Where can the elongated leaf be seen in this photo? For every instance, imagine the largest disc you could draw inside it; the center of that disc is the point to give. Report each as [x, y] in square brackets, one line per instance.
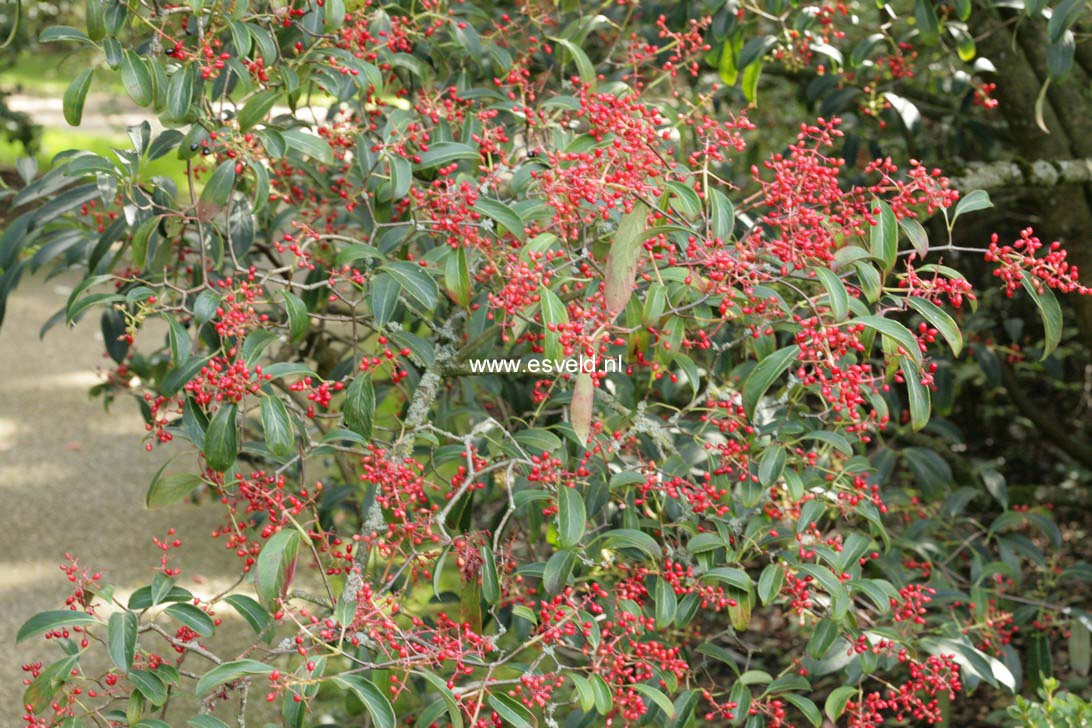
[256, 108]
[273, 563]
[836, 292]
[75, 96]
[917, 394]
[629, 538]
[896, 331]
[250, 610]
[192, 617]
[359, 406]
[379, 707]
[623, 258]
[279, 436]
[940, 321]
[765, 373]
[512, 711]
[1050, 312]
[137, 79]
[502, 214]
[581, 407]
[121, 634]
[169, 489]
[229, 671]
[554, 315]
[884, 236]
[416, 282]
[221, 438]
[47, 621]
[571, 516]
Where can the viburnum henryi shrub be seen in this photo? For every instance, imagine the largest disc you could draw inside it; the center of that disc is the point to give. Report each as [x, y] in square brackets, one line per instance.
[375, 199]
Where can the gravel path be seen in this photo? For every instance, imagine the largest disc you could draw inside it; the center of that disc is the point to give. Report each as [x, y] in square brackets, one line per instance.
[74, 479]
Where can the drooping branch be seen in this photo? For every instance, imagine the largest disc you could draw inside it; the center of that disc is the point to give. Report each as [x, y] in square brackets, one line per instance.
[1040, 173]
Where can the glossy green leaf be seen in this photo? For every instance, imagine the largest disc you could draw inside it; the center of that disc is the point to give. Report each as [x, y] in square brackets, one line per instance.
[221, 438]
[75, 96]
[378, 705]
[121, 636]
[192, 617]
[48, 621]
[765, 373]
[167, 490]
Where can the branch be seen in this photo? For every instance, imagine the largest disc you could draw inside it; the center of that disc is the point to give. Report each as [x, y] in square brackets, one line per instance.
[1040, 173]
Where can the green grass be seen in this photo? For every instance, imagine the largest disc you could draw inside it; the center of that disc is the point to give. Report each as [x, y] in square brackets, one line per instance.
[58, 140]
[48, 73]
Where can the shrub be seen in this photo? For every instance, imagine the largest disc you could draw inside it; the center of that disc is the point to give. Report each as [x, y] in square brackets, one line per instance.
[376, 202]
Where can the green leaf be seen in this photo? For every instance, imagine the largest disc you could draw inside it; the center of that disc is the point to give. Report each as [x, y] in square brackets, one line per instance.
[384, 298]
[359, 405]
[731, 576]
[723, 215]
[454, 712]
[919, 239]
[379, 707]
[192, 617]
[554, 315]
[180, 93]
[309, 145]
[137, 79]
[490, 581]
[75, 96]
[279, 435]
[751, 74]
[836, 701]
[276, 556]
[630, 538]
[584, 65]
[177, 378]
[805, 706]
[206, 721]
[168, 490]
[918, 394]
[1050, 312]
[684, 200]
[502, 214]
[217, 191]
[457, 277]
[972, 202]
[826, 632]
[121, 634]
[928, 25]
[297, 315]
[666, 603]
[93, 19]
[765, 373]
[443, 153]
[623, 258]
[256, 108]
[837, 294]
[510, 710]
[895, 331]
[228, 671]
[416, 282]
[43, 622]
[940, 321]
[656, 697]
[221, 438]
[571, 516]
[769, 583]
[558, 569]
[1065, 14]
[884, 236]
[250, 610]
[149, 685]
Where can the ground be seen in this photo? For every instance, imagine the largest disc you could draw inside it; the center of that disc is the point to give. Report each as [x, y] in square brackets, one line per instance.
[74, 478]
